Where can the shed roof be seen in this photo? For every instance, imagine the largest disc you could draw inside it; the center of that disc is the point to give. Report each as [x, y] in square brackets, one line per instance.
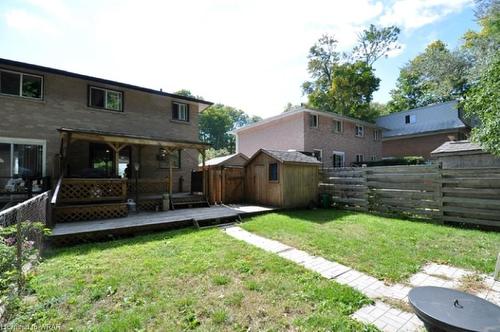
[294, 157]
[457, 147]
[224, 159]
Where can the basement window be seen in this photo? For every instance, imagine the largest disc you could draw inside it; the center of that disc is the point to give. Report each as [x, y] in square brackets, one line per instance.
[273, 172]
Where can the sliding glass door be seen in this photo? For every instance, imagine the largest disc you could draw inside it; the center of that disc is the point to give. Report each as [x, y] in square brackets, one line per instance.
[20, 158]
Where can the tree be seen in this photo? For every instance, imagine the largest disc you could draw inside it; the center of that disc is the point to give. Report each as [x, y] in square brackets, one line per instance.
[352, 89]
[217, 121]
[436, 75]
[187, 93]
[482, 102]
[347, 86]
[375, 43]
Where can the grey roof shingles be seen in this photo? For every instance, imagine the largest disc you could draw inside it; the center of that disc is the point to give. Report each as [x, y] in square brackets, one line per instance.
[291, 156]
[457, 146]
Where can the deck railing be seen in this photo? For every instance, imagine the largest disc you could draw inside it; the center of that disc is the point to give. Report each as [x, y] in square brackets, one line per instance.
[80, 190]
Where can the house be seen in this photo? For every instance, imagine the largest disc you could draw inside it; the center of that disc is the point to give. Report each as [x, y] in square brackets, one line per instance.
[417, 132]
[286, 179]
[63, 124]
[464, 154]
[333, 139]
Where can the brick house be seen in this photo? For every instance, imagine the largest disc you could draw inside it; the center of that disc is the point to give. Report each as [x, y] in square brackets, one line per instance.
[56, 122]
[417, 132]
[334, 139]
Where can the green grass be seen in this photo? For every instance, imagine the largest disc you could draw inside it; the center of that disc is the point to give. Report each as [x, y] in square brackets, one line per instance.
[182, 280]
[387, 248]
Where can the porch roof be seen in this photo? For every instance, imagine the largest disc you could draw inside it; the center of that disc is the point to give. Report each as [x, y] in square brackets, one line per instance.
[124, 138]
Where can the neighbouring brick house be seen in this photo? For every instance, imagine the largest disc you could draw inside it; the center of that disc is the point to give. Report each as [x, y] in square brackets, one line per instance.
[102, 127]
[417, 132]
[334, 139]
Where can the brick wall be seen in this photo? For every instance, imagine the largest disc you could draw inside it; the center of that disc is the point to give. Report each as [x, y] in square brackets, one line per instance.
[281, 134]
[327, 140]
[65, 105]
[416, 146]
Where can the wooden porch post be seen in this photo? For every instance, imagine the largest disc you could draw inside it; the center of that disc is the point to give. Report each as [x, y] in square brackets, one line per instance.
[170, 173]
[63, 151]
[205, 173]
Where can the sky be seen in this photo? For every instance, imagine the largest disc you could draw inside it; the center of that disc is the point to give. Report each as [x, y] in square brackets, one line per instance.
[249, 54]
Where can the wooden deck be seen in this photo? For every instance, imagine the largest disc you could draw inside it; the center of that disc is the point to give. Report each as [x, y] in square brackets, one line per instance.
[83, 230]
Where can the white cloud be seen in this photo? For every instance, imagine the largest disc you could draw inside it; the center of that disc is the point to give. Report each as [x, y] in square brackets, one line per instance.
[26, 22]
[413, 14]
[248, 54]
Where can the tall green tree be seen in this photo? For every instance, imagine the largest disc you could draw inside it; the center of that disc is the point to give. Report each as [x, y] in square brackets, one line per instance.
[352, 88]
[374, 43]
[482, 102]
[217, 121]
[345, 83]
[436, 75]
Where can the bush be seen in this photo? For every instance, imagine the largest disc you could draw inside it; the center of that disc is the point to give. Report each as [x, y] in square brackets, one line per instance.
[410, 160]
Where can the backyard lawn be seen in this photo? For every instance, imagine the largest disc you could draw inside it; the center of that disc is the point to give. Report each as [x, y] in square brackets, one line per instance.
[182, 280]
[387, 248]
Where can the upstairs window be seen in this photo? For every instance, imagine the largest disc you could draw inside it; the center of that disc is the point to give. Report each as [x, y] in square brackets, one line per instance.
[411, 118]
[337, 126]
[104, 98]
[359, 131]
[180, 111]
[20, 84]
[273, 172]
[359, 158]
[313, 120]
[376, 134]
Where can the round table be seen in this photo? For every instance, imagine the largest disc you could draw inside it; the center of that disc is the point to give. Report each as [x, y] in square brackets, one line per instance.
[447, 310]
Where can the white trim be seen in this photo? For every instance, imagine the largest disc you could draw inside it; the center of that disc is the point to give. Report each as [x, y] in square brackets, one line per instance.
[21, 78]
[26, 141]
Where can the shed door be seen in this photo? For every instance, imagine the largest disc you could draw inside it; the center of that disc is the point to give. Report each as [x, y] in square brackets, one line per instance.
[259, 184]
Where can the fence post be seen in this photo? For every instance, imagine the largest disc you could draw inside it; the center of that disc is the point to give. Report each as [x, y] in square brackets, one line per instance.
[439, 191]
[19, 254]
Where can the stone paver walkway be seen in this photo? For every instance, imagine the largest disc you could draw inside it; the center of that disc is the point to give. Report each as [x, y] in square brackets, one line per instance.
[380, 314]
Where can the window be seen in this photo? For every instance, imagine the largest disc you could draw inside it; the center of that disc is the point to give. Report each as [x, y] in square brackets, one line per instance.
[360, 131]
[273, 172]
[20, 84]
[337, 126]
[318, 154]
[107, 99]
[411, 118]
[21, 158]
[313, 120]
[359, 158]
[165, 158]
[374, 158]
[338, 159]
[376, 134]
[180, 111]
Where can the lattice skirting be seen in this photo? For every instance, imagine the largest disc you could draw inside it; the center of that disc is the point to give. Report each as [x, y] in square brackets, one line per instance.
[150, 204]
[90, 212]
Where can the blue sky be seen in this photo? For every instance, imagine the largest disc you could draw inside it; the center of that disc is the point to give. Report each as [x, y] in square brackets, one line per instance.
[250, 54]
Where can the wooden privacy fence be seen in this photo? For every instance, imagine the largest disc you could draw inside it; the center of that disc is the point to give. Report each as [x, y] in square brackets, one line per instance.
[226, 185]
[426, 191]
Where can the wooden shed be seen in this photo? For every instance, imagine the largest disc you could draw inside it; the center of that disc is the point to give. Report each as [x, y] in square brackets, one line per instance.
[226, 179]
[285, 179]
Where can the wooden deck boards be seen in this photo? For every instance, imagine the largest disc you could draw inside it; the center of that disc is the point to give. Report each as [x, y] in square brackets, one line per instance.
[182, 217]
